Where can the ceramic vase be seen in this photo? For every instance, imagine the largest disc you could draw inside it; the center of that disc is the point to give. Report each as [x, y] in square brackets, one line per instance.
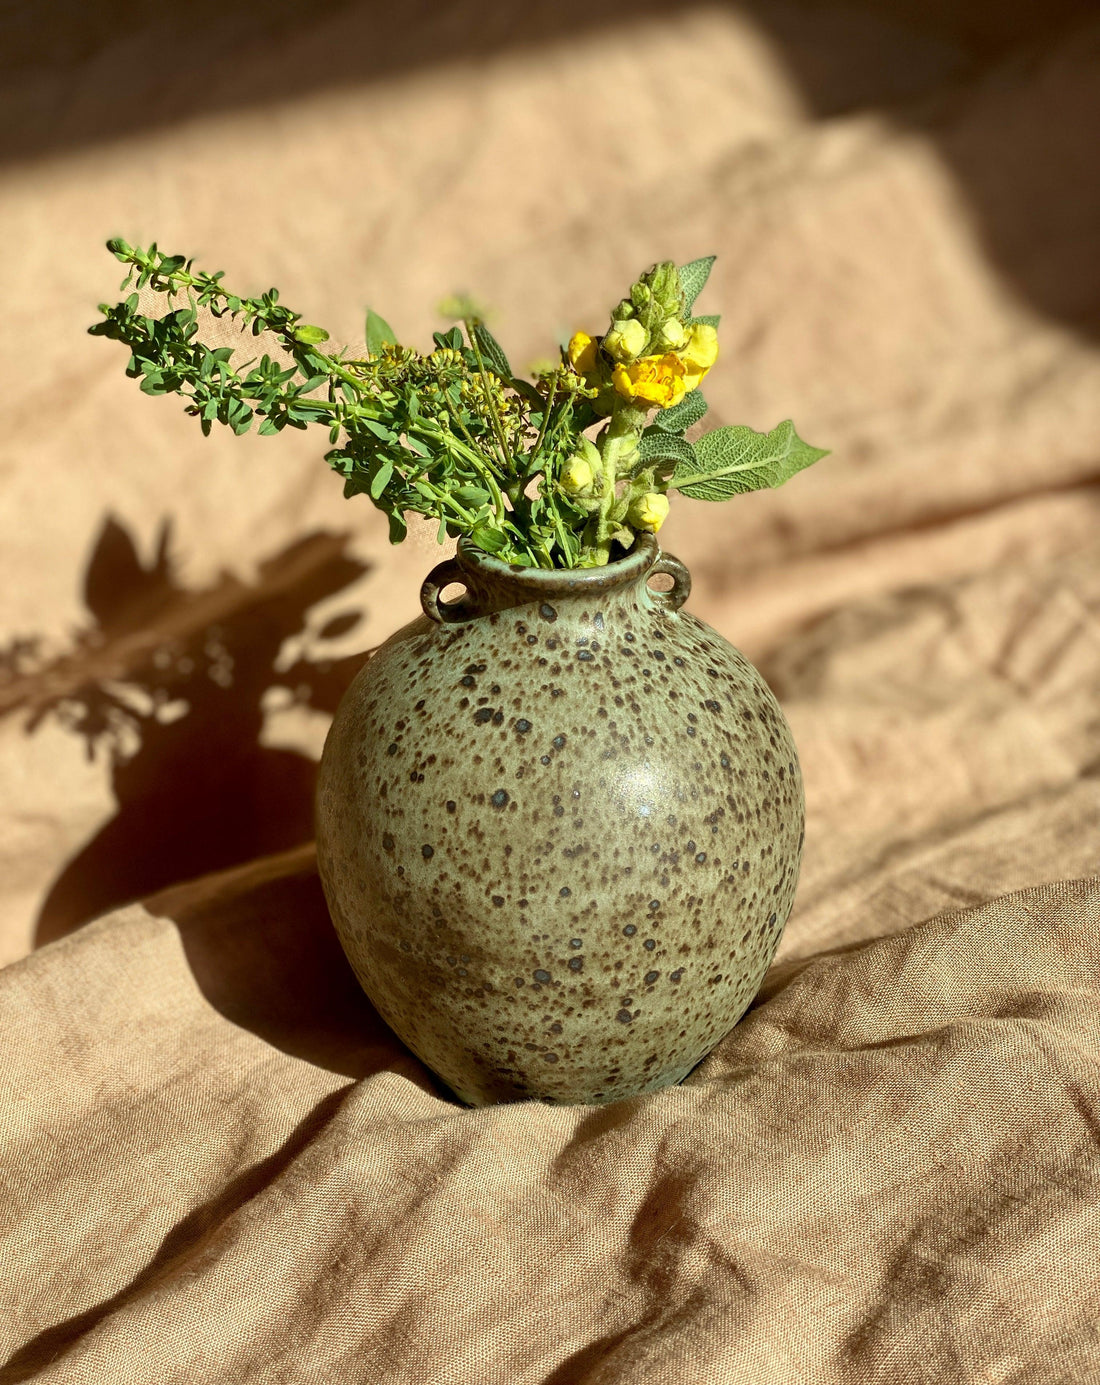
[559, 830]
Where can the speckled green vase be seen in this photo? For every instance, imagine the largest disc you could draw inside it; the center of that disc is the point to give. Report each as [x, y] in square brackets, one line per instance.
[559, 829]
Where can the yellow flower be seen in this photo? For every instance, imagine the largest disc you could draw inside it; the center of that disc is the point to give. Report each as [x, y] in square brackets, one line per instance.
[653, 380]
[649, 512]
[582, 353]
[699, 354]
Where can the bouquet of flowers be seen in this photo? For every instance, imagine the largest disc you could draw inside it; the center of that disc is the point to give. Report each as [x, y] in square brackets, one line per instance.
[556, 471]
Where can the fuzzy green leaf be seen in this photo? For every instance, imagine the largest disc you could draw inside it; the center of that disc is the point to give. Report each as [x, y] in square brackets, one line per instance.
[693, 276]
[492, 353]
[709, 320]
[379, 333]
[681, 416]
[736, 459]
[656, 445]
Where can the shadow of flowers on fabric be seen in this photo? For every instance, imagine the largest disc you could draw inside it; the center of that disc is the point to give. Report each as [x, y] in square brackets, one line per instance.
[169, 687]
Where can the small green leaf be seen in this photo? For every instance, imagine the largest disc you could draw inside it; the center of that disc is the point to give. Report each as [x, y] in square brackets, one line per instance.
[530, 394]
[309, 335]
[267, 428]
[681, 416]
[372, 425]
[708, 320]
[398, 527]
[381, 478]
[736, 459]
[488, 539]
[692, 278]
[379, 334]
[314, 382]
[492, 353]
[472, 495]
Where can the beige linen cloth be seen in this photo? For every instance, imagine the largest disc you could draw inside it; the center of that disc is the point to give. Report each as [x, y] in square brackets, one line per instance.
[216, 1163]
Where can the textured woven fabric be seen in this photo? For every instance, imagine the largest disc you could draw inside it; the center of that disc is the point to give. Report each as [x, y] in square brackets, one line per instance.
[216, 1163]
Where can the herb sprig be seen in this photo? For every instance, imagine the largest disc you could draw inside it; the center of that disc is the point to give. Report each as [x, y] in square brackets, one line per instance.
[454, 434]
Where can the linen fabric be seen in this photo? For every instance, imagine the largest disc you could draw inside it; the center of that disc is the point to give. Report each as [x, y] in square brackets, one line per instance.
[217, 1164]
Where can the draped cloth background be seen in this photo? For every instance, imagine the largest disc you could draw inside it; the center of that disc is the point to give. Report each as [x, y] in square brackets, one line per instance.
[216, 1163]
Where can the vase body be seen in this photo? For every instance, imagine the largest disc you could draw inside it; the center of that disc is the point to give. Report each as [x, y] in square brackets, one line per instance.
[559, 830]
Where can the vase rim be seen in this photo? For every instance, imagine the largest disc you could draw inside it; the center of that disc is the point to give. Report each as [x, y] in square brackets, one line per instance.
[631, 566]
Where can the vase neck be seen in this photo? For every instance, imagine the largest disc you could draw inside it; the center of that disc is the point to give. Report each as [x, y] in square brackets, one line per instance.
[493, 586]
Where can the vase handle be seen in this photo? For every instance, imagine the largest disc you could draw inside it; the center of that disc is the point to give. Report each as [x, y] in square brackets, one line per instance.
[444, 612]
[680, 590]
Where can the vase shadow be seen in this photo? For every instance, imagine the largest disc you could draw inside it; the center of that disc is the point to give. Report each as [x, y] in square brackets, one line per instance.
[168, 686]
[263, 952]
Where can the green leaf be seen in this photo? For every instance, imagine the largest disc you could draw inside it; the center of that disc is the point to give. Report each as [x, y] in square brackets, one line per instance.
[488, 539]
[372, 425]
[492, 353]
[398, 527]
[381, 478]
[736, 459]
[656, 445]
[709, 320]
[267, 428]
[312, 363]
[309, 335]
[692, 278]
[379, 334]
[681, 416]
[449, 340]
[472, 495]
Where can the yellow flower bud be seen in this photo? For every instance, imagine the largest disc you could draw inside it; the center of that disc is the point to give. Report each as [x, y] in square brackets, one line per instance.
[699, 354]
[649, 512]
[626, 341]
[581, 352]
[576, 476]
[673, 335]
